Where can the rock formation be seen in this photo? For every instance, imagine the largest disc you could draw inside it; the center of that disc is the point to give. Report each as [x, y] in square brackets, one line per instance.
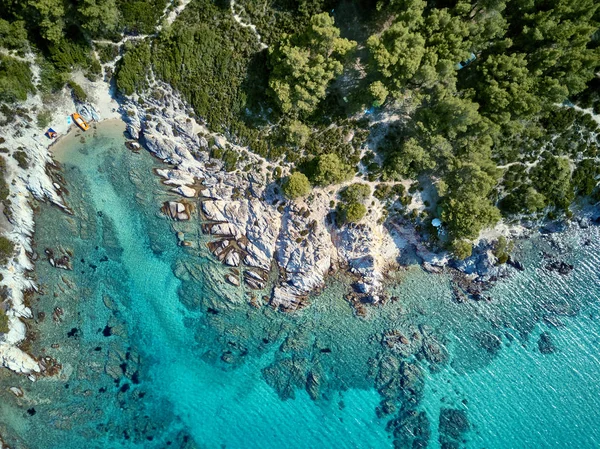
[251, 224]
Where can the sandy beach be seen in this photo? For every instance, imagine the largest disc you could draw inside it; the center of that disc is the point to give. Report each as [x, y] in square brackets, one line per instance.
[75, 134]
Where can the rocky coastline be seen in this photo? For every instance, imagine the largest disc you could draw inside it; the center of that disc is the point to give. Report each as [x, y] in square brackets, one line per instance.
[253, 226]
[30, 182]
[254, 230]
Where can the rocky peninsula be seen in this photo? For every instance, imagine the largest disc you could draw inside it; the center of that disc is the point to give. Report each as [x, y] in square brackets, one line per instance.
[255, 230]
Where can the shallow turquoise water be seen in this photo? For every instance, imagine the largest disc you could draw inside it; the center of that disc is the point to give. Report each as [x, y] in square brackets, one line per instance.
[158, 352]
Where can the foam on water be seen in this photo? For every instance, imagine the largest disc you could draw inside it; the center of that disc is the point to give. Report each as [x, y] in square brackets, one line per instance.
[125, 257]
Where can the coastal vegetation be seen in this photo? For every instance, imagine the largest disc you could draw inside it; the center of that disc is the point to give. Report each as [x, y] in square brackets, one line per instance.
[304, 64]
[469, 95]
[3, 322]
[296, 185]
[4, 190]
[7, 249]
[15, 80]
[351, 209]
[479, 83]
[60, 35]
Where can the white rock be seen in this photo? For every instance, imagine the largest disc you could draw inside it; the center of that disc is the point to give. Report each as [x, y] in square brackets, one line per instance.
[233, 259]
[233, 280]
[16, 391]
[185, 191]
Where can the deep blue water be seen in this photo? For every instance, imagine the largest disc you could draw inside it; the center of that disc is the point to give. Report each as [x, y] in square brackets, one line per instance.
[157, 351]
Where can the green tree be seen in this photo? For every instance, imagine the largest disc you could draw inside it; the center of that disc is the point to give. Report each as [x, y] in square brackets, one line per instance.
[355, 193]
[296, 185]
[351, 212]
[555, 36]
[397, 54]
[410, 160]
[466, 207]
[13, 35]
[297, 133]
[303, 65]
[331, 170]
[379, 93]
[50, 17]
[584, 176]
[448, 34]
[502, 249]
[98, 17]
[462, 249]
[534, 201]
[15, 80]
[507, 89]
[552, 178]
[133, 68]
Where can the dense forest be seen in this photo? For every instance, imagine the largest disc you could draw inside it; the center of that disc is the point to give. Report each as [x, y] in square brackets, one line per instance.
[472, 93]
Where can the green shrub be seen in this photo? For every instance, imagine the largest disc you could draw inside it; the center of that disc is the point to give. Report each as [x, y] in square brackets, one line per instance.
[351, 212]
[502, 249]
[552, 178]
[4, 190]
[94, 70]
[3, 321]
[296, 185]
[13, 36]
[382, 191]
[230, 159]
[7, 249]
[218, 58]
[15, 80]
[462, 249]
[67, 54]
[355, 193]
[21, 157]
[44, 118]
[107, 52]
[329, 169]
[139, 16]
[297, 133]
[78, 93]
[52, 80]
[133, 68]
[584, 176]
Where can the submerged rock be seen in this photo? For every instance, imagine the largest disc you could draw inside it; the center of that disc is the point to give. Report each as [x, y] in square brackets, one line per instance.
[453, 425]
[233, 280]
[489, 341]
[560, 267]
[515, 264]
[313, 383]
[411, 429]
[545, 343]
[286, 376]
[435, 353]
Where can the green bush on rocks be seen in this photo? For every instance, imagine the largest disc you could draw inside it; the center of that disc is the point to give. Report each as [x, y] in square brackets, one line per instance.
[296, 185]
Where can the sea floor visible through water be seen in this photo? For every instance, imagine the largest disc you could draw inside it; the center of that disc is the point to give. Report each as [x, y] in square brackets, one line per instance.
[158, 351]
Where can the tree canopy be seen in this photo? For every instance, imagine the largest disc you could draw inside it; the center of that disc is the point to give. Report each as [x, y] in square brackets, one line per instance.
[296, 185]
[329, 169]
[303, 65]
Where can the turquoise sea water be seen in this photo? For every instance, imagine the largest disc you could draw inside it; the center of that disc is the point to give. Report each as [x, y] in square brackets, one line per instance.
[157, 351]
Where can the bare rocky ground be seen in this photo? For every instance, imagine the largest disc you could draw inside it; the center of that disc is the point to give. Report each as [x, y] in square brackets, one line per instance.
[254, 227]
